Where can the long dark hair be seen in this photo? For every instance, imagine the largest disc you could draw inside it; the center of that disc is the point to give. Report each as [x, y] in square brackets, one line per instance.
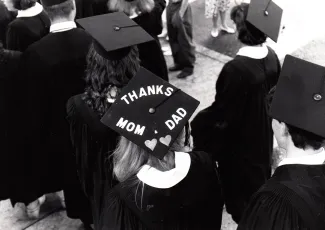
[102, 74]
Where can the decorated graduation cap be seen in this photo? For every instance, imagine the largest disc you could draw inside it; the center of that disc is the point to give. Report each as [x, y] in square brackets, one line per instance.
[48, 3]
[299, 99]
[150, 112]
[266, 16]
[114, 34]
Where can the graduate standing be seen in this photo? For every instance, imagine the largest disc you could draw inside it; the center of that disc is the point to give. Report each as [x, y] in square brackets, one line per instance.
[106, 74]
[294, 197]
[236, 128]
[30, 25]
[52, 71]
[162, 184]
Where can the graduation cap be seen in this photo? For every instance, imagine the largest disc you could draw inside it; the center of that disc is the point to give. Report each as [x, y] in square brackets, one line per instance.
[114, 34]
[150, 112]
[299, 99]
[48, 3]
[266, 16]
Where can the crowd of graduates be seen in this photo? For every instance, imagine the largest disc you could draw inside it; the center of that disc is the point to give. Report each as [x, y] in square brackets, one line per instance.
[86, 107]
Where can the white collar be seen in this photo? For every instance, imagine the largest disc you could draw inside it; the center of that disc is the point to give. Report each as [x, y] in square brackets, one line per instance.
[163, 180]
[30, 12]
[255, 52]
[62, 26]
[314, 159]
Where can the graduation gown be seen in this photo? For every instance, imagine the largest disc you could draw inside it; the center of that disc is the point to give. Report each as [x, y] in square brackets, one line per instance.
[293, 198]
[24, 31]
[9, 61]
[52, 71]
[92, 144]
[241, 139]
[194, 203]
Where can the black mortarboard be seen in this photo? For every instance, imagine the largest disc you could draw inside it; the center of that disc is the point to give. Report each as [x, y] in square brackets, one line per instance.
[48, 3]
[266, 16]
[114, 34]
[150, 112]
[299, 99]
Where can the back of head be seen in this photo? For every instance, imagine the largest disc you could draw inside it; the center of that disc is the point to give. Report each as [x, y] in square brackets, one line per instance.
[102, 74]
[301, 138]
[23, 4]
[128, 157]
[65, 11]
[247, 33]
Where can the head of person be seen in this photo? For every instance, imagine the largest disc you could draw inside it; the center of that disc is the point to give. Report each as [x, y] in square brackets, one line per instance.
[59, 10]
[14, 5]
[104, 73]
[247, 33]
[128, 6]
[128, 158]
[287, 135]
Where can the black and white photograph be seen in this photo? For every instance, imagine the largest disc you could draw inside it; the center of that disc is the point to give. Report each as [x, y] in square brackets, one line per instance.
[162, 115]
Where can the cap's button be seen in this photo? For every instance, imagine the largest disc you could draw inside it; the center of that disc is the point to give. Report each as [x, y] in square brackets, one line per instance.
[152, 110]
[116, 28]
[317, 97]
[266, 13]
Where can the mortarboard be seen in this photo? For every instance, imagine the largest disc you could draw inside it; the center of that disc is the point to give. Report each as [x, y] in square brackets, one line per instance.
[114, 34]
[299, 99]
[48, 3]
[266, 16]
[150, 112]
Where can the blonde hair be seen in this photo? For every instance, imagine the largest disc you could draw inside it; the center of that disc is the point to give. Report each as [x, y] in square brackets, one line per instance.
[128, 158]
[144, 6]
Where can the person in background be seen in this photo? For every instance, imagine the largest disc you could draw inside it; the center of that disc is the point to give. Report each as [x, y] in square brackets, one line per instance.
[30, 25]
[214, 8]
[180, 33]
[238, 116]
[113, 59]
[51, 71]
[6, 17]
[294, 197]
[147, 14]
[162, 183]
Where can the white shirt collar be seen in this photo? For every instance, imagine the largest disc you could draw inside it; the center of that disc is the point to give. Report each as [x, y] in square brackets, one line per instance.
[255, 52]
[30, 12]
[62, 26]
[163, 180]
[315, 159]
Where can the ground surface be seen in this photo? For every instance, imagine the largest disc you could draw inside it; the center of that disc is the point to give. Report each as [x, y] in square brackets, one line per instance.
[303, 37]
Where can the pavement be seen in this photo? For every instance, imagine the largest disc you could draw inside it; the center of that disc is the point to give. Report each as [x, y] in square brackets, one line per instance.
[302, 38]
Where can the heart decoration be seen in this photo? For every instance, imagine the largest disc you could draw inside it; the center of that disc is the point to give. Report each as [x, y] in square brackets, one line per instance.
[151, 144]
[165, 140]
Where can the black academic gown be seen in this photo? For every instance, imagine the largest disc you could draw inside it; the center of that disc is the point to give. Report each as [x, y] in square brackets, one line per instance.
[242, 140]
[293, 198]
[52, 71]
[93, 143]
[84, 8]
[24, 31]
[9, 61]
[194, 203]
